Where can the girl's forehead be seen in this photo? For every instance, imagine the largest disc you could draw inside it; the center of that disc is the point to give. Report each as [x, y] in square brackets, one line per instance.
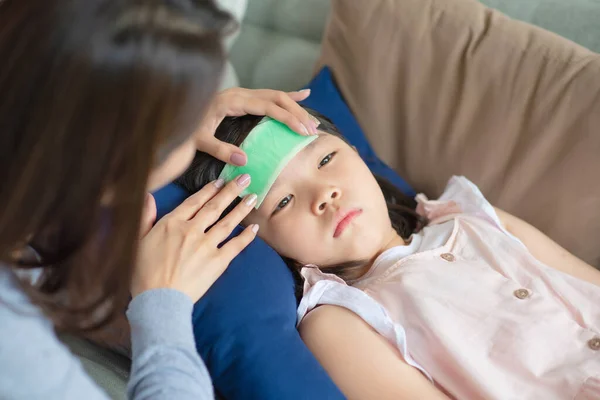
[323, 141]
[270, 146]
[294, 168]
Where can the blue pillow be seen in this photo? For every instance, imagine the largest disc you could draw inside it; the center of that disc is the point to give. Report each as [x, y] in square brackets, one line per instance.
[245, 325]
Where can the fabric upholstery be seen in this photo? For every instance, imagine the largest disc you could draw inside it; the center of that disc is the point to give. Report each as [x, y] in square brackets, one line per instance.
[450, 87]
[279, 43]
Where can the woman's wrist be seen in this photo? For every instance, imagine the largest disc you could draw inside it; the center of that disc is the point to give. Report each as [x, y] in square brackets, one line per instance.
[160, 316]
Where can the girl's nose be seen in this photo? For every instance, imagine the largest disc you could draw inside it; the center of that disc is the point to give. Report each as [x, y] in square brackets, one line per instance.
[326, 198]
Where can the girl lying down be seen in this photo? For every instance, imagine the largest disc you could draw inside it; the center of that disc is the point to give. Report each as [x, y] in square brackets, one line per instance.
[425, 299]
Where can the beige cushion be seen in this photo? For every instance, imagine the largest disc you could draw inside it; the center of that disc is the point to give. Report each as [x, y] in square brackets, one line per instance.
[450, 87]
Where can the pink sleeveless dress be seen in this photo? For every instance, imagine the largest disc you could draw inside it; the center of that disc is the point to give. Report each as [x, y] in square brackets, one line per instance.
[468, 305]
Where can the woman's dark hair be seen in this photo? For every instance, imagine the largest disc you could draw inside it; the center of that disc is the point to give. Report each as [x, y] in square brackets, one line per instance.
[205, 169]
[95, 94]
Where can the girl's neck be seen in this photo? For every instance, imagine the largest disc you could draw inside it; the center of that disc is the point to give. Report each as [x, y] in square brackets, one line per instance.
[392, 240]
[353, 271]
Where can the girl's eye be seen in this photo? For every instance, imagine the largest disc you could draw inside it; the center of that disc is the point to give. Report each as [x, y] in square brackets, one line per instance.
[326, 160]
[283, 203]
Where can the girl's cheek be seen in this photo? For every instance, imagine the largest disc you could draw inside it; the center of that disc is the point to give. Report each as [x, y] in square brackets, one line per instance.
[285, 235]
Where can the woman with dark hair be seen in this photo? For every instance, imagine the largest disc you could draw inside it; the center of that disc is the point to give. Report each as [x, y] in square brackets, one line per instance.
[103, 101]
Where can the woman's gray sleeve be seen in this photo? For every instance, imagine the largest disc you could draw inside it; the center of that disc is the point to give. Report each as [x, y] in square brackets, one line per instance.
[165, 364]
[34, 364]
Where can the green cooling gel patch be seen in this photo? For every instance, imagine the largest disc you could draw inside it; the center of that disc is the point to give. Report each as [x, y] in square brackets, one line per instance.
[269, 146]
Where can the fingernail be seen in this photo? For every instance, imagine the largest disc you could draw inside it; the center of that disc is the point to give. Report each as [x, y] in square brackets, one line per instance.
[243, 180]
[314, 128]
[305, 91]
[238, 159]
[255, 228]
[250, 200]
[219, 183]
[305, 130]
[314, 119]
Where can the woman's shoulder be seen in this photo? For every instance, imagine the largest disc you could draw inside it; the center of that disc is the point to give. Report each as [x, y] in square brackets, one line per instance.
[12, 296]
[24, 325]
[21, 319]
[25, 337]
[24, 328]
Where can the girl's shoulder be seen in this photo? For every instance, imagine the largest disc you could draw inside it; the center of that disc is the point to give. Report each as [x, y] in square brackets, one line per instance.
[461, 197]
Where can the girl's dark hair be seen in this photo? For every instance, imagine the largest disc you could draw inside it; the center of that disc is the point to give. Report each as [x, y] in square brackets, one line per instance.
[95, 94]
[205, 169]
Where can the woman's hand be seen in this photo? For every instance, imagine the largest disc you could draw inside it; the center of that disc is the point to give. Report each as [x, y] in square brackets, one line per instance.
[179, 253]
[232, 102]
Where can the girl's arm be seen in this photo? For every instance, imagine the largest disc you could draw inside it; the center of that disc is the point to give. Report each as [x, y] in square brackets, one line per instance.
[359, 360]
[547, 251]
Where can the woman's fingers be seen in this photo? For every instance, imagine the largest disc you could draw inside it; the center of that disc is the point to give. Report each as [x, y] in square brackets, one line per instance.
[235, 246]
[285, 109]
[299, 95]
[238, 101]
[276, 104]
[291, 106]
[181, 254]
[189, 208]
[275, 111]
[213, 209]
[225, 152]
[223, 228]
